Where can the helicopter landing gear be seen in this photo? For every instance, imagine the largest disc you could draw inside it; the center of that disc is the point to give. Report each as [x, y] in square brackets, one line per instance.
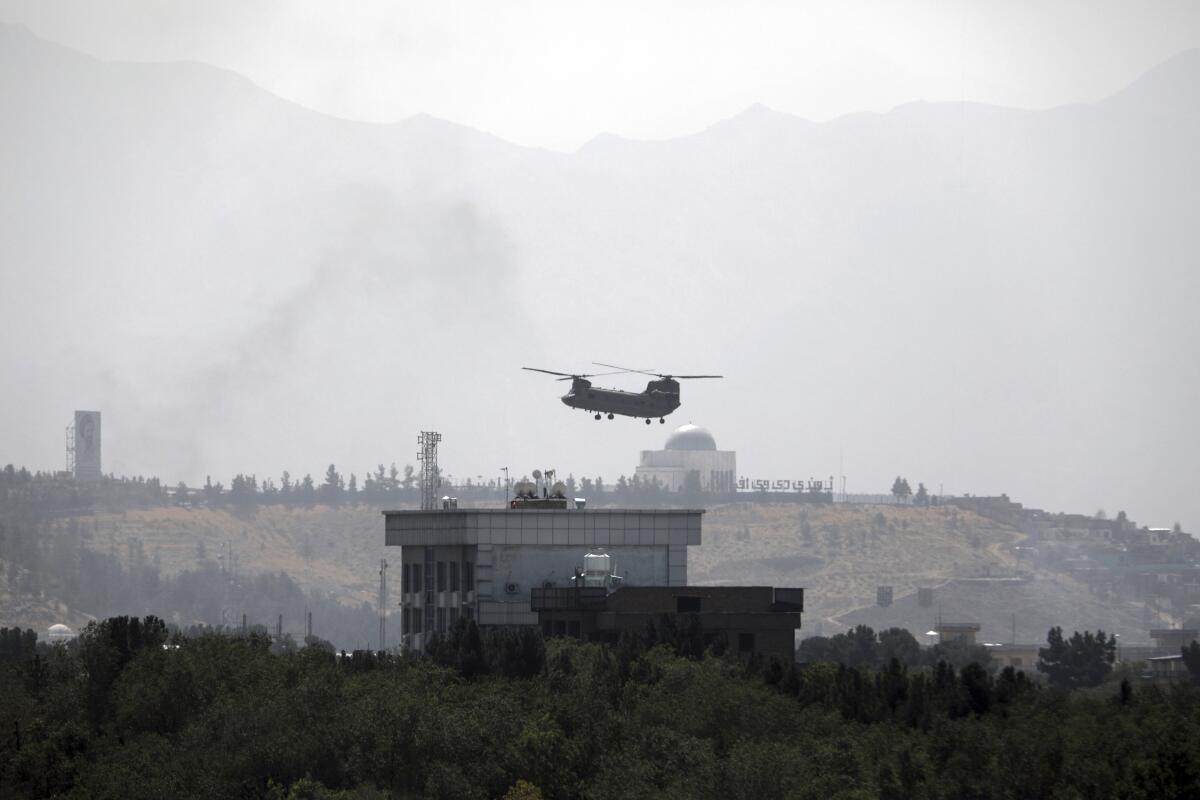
[662, 421]
[647, 420]
[597, 416]
[610, 416]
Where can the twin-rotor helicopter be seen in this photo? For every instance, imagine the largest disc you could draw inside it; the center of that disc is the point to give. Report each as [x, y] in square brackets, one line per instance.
[659, 398]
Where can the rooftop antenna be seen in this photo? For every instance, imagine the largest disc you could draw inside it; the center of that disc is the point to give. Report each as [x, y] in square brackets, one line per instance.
[428, 441]
[505, 471]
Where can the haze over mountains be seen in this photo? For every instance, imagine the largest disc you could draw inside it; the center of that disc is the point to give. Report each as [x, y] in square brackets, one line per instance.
[990, 299]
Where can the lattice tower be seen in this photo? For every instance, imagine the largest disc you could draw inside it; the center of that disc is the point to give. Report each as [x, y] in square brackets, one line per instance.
[428, 441]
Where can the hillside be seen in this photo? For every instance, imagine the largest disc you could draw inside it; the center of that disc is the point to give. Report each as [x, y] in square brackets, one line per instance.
[840, 554]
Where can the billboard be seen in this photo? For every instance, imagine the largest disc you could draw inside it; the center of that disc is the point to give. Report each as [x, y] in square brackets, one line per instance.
[87, 445]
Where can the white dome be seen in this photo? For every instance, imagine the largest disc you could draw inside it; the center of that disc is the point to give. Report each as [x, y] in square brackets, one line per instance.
[690, 437]
[60, 631]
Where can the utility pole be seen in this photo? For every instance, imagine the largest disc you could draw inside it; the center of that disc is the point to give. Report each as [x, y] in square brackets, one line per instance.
[383, 565]
[505, 471]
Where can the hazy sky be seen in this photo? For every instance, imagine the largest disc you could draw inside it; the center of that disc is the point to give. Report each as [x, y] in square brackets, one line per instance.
[555, 74]
[990, 299]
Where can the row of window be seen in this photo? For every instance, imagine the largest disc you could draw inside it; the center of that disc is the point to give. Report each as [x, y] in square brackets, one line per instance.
[413, 577]
[443, 618]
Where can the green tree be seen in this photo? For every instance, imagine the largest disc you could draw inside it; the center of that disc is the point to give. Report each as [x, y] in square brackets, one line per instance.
[331, 489]
[1083, 660]
[1191, 660]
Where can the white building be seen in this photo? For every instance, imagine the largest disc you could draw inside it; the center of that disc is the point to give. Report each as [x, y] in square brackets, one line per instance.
[690, 449]
[481, 563]
[59, 633]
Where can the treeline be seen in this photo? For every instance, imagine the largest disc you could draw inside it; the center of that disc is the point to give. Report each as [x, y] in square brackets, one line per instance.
[56, 560]
[133, 711]
[43, 492]
[1082, 660]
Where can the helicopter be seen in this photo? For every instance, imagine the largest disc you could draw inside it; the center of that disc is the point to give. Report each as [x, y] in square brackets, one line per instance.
[659, 399]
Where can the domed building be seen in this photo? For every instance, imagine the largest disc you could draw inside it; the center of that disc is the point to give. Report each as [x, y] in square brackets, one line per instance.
[690, 449]
[59, 633]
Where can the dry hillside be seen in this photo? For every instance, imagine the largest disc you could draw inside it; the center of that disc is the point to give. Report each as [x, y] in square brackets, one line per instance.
[842, 553]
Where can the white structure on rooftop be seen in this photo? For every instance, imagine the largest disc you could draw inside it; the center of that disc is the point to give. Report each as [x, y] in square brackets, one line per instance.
[690, 454]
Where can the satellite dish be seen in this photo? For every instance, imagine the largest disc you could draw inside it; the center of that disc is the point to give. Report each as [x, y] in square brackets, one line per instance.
[537, 474]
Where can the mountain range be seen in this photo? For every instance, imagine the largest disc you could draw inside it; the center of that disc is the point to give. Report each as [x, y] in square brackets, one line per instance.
[984, 299]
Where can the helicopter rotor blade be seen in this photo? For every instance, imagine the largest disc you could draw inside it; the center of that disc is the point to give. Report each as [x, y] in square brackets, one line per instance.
[570, 375]
[695, 376]
[626, 369]
[549, 372]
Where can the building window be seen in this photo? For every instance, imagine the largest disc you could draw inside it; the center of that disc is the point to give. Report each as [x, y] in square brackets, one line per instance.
[453, 616]
[441, 576]
[560, 627]
[469, 612]
[404, 576]
[573, 628]
[546, 627]
[441, 620]
[468, 576]
[687, 605]
[416, 578]
[454, 576]
[745, 642]
[416, 620]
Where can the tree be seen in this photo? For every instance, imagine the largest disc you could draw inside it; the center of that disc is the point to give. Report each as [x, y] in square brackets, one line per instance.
[900, 488]
[181, 492]
[900, 644]
[306, 490]
[922, 496]
[331, 489]
[1191, 660]
[1083, 660]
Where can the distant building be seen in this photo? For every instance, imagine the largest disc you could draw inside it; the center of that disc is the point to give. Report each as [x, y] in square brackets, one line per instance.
[1166, 668]
[86, 446]
[957, 631]
[59, 633]
[690, 451]
[753, 619]
[1172, 640]
[1018, 656]
[482, 563]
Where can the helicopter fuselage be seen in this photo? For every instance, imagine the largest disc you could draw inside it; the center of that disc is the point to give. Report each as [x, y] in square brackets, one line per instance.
[659, 398]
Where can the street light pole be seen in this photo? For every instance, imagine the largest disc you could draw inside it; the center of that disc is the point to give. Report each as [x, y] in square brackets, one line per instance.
[505, 471]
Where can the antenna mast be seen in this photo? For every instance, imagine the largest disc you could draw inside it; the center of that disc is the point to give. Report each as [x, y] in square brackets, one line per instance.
[428, 440]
